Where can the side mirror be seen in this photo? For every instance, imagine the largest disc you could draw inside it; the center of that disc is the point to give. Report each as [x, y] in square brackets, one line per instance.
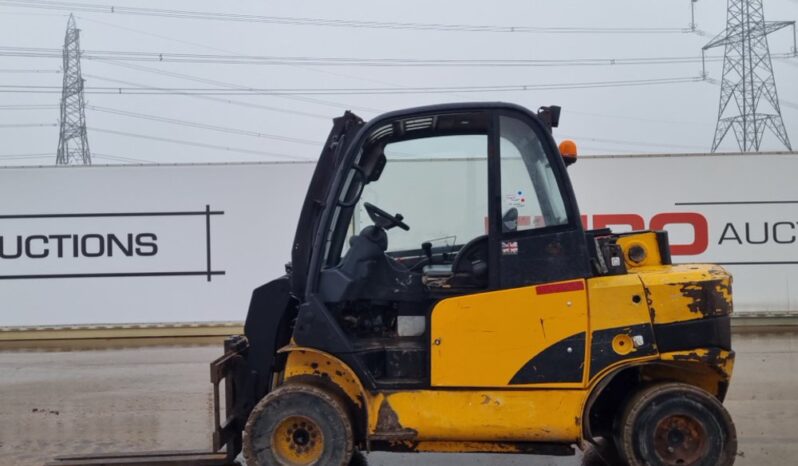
[550, 116]
[568, 152]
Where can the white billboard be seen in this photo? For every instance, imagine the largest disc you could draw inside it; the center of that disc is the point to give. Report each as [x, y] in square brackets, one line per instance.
[142, 244]
[188, 243]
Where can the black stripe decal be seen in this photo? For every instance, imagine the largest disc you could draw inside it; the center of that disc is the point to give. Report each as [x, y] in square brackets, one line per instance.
[698, 333]
[562, 362]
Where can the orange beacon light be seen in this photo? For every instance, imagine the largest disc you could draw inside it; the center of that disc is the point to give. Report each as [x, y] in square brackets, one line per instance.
[568, 151]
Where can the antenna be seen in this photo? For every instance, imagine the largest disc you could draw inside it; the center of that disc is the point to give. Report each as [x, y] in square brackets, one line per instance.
[749, 102]
[73, 144]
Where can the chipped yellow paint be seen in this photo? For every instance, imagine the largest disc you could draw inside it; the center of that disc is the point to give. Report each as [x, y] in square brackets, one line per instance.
[311, 362]
[484, 339]
[617, 301]
[673, 290]
[457, 447]
[478, 415]
[721, 360]
[466, 447]
[452, 416]
[647, 241]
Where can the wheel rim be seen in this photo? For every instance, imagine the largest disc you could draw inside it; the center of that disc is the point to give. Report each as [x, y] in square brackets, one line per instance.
[297, 440]
[680, 440]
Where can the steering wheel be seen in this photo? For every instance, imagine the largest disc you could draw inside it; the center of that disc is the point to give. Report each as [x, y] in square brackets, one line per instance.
[473, 251]
[383, 219]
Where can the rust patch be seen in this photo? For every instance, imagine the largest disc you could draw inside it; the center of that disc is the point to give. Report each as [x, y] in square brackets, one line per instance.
[709, 298]
[388, 422]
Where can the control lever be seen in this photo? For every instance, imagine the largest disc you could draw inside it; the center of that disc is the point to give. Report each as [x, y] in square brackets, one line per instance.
[427, 248]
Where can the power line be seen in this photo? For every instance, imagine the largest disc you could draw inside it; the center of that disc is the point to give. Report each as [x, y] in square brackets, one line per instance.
[28, 125]
[635, 118]
[195, 78]
[28, 13]
[152, 34]
[198, 144]
[358, 91]
[632, 143]
[607, 150]
[29, 71]
[26, 156]
[193, 124]
[94, 155]
[238, 59]
[28, 107]
[221, 100]
[120, 159]
[338, 23]
[217, 49]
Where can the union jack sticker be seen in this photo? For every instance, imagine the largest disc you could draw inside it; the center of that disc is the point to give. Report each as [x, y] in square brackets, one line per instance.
[509, 248]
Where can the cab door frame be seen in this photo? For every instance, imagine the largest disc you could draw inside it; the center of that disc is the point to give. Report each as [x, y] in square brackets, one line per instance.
[538, 250]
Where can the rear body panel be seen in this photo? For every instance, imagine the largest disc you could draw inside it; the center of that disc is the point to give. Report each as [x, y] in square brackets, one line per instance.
[687, 292]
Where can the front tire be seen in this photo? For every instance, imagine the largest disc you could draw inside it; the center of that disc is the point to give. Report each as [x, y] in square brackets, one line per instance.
[675, 424]
[298, 425]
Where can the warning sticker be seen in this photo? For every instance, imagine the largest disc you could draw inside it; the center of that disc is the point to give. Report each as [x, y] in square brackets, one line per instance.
[516, 199]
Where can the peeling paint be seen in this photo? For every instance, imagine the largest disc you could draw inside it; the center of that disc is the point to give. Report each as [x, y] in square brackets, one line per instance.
[388, 422]
[708, 298]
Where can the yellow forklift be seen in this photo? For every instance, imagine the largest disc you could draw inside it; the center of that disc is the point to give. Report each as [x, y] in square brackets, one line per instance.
[483, 318]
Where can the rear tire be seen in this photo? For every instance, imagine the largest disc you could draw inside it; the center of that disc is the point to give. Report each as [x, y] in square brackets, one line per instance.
[298, 425]
[675, 424]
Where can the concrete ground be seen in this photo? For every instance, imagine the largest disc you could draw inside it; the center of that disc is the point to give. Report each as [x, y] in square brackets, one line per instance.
[68, 400]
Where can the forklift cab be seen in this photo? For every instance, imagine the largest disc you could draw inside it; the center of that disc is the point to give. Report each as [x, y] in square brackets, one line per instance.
[431, 204]
[437, 173]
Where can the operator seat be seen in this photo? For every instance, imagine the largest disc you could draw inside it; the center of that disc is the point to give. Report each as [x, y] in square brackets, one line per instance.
[345, 280]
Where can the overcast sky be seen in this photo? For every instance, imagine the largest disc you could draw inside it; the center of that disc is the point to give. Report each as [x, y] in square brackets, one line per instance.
[675, 117]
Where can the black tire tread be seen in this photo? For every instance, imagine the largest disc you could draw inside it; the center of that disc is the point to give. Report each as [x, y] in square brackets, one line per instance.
[640, 401]
[293, 388]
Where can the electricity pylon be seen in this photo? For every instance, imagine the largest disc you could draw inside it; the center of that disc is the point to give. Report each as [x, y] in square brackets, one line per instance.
[73, 144]
[749, 102]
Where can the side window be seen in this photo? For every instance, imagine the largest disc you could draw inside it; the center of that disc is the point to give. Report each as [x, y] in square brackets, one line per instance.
[531, 196]
[438, 184]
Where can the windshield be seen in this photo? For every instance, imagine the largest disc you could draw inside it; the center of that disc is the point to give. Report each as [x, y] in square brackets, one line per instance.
[439, 184]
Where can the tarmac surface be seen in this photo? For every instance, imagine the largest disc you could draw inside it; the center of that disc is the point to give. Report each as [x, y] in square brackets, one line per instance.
[60, 400]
